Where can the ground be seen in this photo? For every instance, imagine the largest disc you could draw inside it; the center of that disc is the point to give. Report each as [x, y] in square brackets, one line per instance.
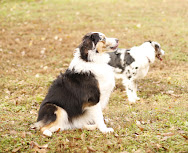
[37, 41]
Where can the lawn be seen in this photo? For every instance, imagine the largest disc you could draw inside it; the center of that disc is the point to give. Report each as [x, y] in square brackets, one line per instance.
[37, 41]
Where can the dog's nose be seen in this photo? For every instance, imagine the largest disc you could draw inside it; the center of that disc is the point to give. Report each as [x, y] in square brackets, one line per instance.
[117, 40]
[129, 76]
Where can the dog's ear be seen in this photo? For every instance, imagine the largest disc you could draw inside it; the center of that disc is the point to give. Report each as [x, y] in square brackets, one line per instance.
[157, 48]
[95, 38]
[85, 46]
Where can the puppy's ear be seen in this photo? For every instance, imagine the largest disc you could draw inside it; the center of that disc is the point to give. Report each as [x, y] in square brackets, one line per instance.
[95, 38]
[85, 46]
[157, 48]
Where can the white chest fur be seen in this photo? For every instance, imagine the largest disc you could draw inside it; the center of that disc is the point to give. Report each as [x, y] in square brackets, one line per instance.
[102, 71]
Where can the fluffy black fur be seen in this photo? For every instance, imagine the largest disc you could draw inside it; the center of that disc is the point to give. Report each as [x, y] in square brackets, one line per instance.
[69, 91]
[87, 44]
[72, 91]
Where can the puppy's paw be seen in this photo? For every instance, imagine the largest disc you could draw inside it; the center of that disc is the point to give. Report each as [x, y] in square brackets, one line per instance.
[137, 98]
[132, 100]
[47, 133]
[90, 127]
[107, 130]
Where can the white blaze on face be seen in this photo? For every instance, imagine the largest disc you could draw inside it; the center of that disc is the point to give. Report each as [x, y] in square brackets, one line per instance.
[111, 43]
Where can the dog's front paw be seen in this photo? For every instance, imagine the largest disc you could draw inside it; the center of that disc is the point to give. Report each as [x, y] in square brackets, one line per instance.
[90, 127]
[132, 100]
[47, 133]
[107, 130]
[137, 98]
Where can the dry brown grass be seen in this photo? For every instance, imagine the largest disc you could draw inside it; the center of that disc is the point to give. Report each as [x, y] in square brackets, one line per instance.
[158, 123]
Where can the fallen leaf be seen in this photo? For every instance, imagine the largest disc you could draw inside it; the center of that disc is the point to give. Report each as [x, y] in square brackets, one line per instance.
[186, 137]
[127, 119]
[170, 92]
[58, 130]
[91, 149]
[13, 132]
[23, 134]
[181, 131]
[116, 135]
[168, 134]
[16, 149]
[141, 128]
[158, 146]
[83, 136]
[165, 138]
[39, 148]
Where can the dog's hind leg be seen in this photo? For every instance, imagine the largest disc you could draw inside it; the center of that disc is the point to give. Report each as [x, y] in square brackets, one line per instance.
[51, 118]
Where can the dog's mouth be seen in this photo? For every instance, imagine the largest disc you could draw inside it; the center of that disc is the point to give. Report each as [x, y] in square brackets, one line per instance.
[159, 57]
[114, 47]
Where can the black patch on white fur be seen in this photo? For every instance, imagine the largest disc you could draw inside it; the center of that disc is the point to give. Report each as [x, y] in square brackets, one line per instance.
[87, 44]
[115, 60]
[128, 58]
[69, 91]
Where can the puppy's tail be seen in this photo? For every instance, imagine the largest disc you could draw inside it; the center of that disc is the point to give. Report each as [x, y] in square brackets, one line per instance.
[37, 125]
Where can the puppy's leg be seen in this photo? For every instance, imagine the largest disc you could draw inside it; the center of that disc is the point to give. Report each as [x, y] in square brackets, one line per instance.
[135, 90]
[54, 118]
[129, 84]
[96, 112]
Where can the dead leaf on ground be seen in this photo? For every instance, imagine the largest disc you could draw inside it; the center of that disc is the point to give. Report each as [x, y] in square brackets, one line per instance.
[186, 137]
[165, 138]
[127, 119]
[39, 148]
[168, 134]
[13, 132]
[83, 136]
[158, 146]
[116, 135]
[16, 149]
[90, 149]
[141, 128]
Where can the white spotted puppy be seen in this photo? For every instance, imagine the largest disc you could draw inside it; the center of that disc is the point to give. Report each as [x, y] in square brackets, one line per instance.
[133, 64]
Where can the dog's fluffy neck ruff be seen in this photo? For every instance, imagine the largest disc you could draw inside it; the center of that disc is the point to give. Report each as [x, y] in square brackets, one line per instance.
[98, 65]
[94, 58]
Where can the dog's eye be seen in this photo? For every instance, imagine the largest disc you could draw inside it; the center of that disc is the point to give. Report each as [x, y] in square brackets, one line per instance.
[136, 67]
[102, 39]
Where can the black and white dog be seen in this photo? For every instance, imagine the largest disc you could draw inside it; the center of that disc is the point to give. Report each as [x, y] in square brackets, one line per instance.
[133, 64]
[78, 96]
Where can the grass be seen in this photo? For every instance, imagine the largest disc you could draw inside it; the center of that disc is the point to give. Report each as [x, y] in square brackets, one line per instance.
[37, 40]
